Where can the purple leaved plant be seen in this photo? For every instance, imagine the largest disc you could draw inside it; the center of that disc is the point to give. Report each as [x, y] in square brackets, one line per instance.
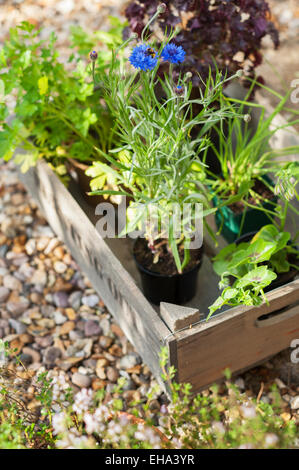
[226, 32]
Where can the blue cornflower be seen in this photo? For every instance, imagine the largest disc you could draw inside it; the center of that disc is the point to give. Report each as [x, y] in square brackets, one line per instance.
[174, 54]
[143, 57]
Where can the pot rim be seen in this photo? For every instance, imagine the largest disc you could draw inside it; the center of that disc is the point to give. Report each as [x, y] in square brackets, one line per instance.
[168, 276]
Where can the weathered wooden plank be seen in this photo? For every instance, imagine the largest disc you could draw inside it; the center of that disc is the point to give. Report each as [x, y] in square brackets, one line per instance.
[139, 321]
[177, 316]
[236, 339]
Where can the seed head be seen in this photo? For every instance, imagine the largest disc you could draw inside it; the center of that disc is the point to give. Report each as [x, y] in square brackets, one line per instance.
[93, 56]
[161, 8]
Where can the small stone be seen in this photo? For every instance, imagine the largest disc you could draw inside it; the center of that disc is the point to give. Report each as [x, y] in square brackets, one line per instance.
[59, 318]
[30, 247]
[4, 293]
[100, 371]
[68, 363]
[60, 267]
[67, 327]
[130, 360]
[105, 342]
[51, 355]
[18, 307]
[280, 383]
[25, 359]
[19, 327]
[115, 350]
[76, 334]
[60, 299]
[51, 246]
[33, 353]
[82, 381]
[42, 243]
[10, 282]
[75, 299]
[112, 374]
[71, 314]
[46, 323]
[90, 300]
[98, 384]
[39, 277]
[44, 341]
[92, 328]
[240, 383]
[295, 403]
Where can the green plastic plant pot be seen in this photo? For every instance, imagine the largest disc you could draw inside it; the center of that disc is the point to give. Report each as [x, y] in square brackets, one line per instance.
[254, 219]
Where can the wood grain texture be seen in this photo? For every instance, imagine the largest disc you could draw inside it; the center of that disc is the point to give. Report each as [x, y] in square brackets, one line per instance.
[234, 340]
[177, 317]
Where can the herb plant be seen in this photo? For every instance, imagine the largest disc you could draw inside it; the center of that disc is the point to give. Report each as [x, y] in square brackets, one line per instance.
[158, 162]
[54, 111]
[246, 159]
[250, 267]
[213, 419]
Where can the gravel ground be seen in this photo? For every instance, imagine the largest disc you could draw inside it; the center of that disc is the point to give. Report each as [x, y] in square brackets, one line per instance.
[48, 309]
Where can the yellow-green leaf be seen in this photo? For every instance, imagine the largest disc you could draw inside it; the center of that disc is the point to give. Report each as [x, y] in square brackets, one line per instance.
[43, 85]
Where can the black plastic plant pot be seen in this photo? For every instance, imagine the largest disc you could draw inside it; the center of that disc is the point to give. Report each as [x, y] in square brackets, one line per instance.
[282, 278]
[254, 219]
[177, 289]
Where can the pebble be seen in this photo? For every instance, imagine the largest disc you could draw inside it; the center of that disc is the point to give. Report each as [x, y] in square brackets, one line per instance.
[75, 299]
[60, 299]
[4, 294]
[51, 355]
[67, 327]
[81, 380]
[60, 267]
[90, 300]
[35, 355]
[105, 341]
[130, 360]
[59, 318]
[30, 247]
[295, 403]
[112, 374]
[39, 277]
[10, 282]
[19, 327]
[18, 307]
[92, 328]
[44, 341]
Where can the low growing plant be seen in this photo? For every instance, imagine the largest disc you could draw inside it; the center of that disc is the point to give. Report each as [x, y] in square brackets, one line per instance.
[248, 268]
[213, 419]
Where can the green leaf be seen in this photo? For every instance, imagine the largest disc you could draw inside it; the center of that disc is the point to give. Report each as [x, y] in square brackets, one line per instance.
[261, 277]
[2, 91]
[261, 250]
[25, 58]
[43, 85]
[26, 160]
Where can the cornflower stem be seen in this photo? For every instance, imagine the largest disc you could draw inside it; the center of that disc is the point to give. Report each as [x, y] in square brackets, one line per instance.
[149, 23]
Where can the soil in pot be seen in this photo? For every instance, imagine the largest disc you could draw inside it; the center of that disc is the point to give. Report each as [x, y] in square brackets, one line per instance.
[160, 281]
[230, 217]
[282, 278]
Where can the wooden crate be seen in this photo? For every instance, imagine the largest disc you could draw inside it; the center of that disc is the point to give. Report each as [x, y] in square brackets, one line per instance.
[200, 351]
